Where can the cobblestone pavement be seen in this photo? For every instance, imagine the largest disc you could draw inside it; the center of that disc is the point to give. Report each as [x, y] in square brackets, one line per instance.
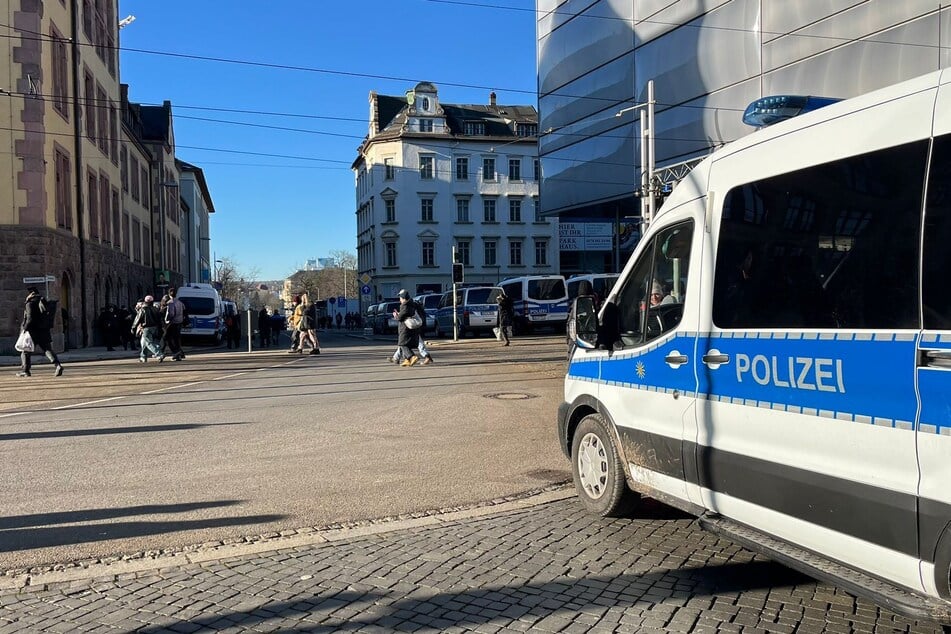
[549, 568]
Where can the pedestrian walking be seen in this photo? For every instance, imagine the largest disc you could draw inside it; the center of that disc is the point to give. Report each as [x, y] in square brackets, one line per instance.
[147, 325]
[233, 331]
[38, 321]
[408, 340]
[506, 316]
[306, 324]
[174, 316]
[264, 327]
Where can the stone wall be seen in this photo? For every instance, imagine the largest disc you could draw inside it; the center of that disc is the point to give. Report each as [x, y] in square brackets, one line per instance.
[37, 251]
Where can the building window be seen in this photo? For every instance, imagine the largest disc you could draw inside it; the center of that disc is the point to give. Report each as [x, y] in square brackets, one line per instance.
[426, 210]
[136, 241]
[426, 167]
[389, 171]
[126, 247]
[88, 19]
[526, 129]
[536, 170]
[146, 246]
[144, 177]
[462, 210]
[60, 73]
[515, 252]
[389, 255]
[89, 89]
[134, 177]
[515, 169]
[462, 252]
[473, 128]
[92, 182]
[515, 210]
[113, 135]
[538, 210]
[488, 169]
[541, 252]
[124, 168]
[64, 199]
[490, 253]
[425, 125]
[103, 122]
[390, 206]
[116, 219]
[488, 210]
[104, 208]
[462, 168]
[429, 253]
[422, 104]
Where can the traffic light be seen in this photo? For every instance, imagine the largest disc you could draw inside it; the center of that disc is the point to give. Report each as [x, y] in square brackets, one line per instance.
[457, 272]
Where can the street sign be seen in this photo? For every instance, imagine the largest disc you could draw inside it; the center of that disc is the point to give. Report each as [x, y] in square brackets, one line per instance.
[365, 279]
[41, 279]
[365, 289]
[342, 303]
[332, 300]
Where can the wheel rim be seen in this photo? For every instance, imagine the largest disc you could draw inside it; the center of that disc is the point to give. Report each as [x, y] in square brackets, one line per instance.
[592, 466]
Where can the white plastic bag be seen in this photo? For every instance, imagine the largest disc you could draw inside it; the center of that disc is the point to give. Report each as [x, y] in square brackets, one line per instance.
[413, 322]
[24, 342]
[498, 333]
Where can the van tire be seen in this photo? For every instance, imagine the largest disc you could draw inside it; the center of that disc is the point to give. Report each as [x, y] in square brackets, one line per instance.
[597, 470]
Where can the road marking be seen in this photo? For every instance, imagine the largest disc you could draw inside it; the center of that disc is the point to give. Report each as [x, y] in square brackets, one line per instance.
[229, 376]
[171, 387]
[13, 414]
[102, 400]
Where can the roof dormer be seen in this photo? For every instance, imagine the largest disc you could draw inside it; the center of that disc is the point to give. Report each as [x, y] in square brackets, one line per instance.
[423, 99]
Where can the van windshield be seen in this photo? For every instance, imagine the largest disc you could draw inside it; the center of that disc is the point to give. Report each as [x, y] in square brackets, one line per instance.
[481, 295]
[199, 305]
[549, 289]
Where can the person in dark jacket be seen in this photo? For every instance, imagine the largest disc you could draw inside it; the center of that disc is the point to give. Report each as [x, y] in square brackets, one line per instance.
[37, 320]
[264, 327]
[408, 337]
[506, 316]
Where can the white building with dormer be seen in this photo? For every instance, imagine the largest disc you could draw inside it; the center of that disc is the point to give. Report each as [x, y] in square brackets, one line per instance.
[432, 176]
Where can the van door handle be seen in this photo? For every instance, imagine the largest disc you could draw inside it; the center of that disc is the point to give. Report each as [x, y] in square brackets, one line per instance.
[938, 358]
[716, 357]
[676, 359]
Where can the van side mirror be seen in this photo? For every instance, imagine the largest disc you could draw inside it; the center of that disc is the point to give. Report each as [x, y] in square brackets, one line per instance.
[583, 327]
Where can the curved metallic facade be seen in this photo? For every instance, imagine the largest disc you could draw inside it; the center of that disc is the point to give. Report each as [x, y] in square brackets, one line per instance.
[709, 59]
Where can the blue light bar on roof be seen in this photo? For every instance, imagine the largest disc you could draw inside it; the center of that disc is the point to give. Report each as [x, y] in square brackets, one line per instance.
[770, 110]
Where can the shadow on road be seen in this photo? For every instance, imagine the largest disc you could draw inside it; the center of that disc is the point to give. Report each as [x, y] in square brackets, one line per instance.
[93, 515]
[69, 433]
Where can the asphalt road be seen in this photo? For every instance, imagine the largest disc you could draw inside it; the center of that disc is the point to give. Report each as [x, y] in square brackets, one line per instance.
[117, 457]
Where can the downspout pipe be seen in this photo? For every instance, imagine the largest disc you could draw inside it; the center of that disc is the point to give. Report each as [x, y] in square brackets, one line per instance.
[78, 151]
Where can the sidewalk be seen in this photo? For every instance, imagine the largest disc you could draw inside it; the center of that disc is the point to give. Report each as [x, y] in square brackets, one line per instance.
[539, 564]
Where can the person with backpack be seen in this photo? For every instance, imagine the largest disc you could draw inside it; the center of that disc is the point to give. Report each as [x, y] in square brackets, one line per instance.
[38, 320]
[147, 325]
[174, 316]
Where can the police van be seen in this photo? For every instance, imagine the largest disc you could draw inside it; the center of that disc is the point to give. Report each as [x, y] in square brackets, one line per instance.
[776, 355]
[601, 283]
[538, 300]
[205, 311]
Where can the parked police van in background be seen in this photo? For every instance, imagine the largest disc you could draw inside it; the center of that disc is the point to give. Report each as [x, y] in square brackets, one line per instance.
[476, 308]
[601, 284]
[776, 355]
[206, 311]
[538, 300]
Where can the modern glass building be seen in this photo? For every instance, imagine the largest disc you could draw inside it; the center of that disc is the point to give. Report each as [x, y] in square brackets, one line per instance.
[708, 59]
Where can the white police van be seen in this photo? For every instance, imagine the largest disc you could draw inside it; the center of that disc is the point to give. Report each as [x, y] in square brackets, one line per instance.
[795, 391]
[538, 300]
[205, 311]
[601, 283]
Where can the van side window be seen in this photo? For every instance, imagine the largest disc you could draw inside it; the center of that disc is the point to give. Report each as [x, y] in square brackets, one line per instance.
[936, 292]
[829, 246]
[651, 302]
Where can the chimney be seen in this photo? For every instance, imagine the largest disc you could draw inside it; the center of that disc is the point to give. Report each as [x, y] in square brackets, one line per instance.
[492, 98]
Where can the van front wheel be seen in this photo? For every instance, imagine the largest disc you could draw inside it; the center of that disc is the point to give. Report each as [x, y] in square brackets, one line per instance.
[597, 470]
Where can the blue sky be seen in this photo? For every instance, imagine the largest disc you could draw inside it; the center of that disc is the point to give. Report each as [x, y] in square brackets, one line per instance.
[273, 213]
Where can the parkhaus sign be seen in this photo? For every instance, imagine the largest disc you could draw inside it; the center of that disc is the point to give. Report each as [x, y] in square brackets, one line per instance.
[585, 236]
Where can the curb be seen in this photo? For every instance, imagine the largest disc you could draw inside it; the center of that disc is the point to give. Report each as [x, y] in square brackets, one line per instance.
[108, 572]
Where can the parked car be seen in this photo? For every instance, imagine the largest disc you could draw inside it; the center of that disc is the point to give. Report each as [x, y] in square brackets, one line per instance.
[369, 317]
[385, 322]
